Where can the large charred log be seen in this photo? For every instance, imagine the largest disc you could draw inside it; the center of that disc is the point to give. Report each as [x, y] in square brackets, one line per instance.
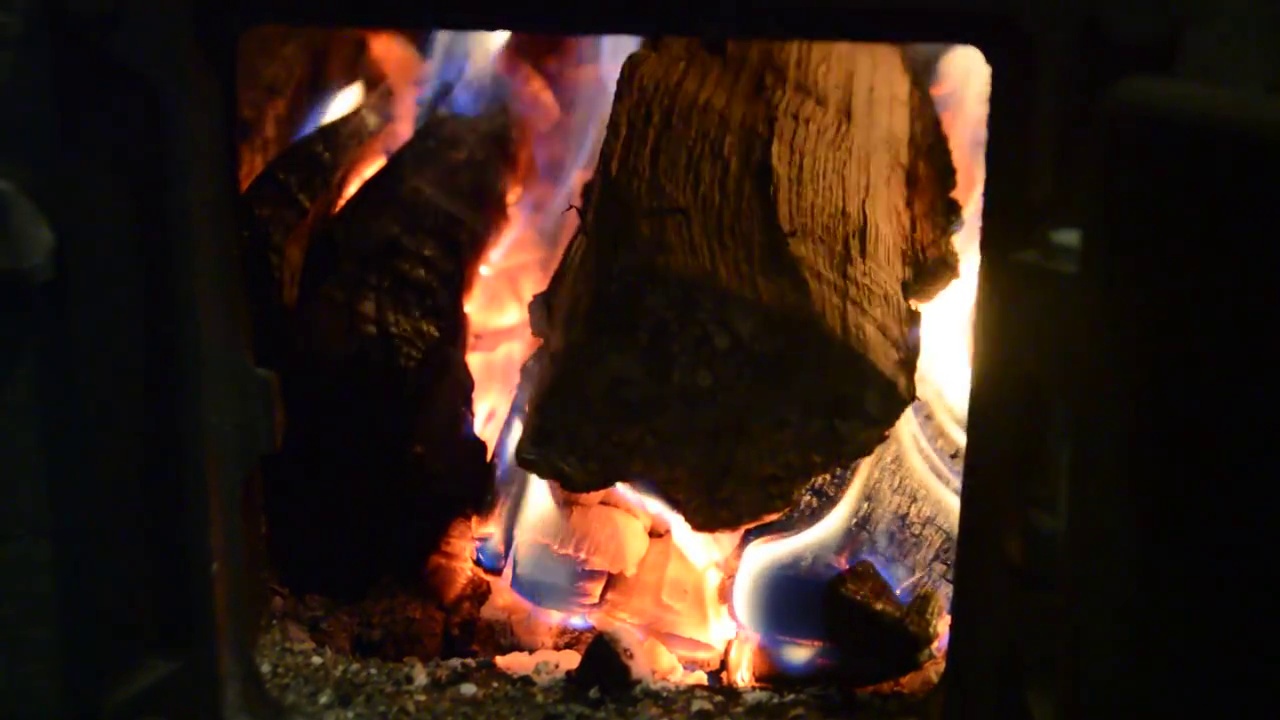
[735, 315]
[379, 456]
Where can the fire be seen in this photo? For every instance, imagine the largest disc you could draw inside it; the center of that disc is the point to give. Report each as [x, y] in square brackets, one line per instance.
[961, 93]
[401, 66]
[520, 259]
[622, 559]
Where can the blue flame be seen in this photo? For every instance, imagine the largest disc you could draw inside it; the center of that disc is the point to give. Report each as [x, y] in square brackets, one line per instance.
[490, 555]
[462, 79]
[578, 622]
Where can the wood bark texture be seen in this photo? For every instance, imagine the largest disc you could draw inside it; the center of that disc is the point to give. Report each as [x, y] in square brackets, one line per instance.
[735, 315]
[879, 637]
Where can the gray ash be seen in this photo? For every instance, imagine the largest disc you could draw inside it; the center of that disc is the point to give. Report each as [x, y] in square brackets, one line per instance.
[316, 682]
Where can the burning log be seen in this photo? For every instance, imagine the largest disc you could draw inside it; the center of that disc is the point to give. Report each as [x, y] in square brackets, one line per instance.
[879, 637]
[281, 72]
[283, 204]
[735, 315]
[378, 456]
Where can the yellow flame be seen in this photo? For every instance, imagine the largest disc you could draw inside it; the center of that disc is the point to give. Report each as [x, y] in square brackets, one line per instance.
[740, 668]
[945, 369]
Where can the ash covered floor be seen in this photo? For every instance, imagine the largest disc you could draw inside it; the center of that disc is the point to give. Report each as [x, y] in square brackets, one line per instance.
[316, 682]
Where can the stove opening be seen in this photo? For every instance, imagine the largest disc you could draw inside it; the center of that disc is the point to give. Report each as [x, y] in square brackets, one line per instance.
[615, 374]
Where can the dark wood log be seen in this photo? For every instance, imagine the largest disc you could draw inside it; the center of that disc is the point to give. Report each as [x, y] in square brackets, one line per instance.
[379, 456]
[282, 205]
[735, 315]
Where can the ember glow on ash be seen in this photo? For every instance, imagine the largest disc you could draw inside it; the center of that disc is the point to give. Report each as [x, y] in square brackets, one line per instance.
[621, 560]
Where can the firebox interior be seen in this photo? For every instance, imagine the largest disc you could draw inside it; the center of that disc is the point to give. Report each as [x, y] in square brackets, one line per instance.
[631, 362]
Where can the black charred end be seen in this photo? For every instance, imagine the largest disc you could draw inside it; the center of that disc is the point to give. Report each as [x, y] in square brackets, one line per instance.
[878, 637]
[603, 666]
[931, 278]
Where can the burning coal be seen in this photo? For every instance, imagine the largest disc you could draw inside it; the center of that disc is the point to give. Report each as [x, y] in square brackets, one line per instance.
[621, 561]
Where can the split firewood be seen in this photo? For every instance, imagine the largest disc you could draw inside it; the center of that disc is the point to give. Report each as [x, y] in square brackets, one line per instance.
[379, 457]
[736, 314]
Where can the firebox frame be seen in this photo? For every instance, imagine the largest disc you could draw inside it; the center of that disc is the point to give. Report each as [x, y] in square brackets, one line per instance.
[217, 407]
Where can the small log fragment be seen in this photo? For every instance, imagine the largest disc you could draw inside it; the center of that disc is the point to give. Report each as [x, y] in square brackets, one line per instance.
[735, 315]
[603, 667]
[379, 457]
[621, 656]
[879, 638]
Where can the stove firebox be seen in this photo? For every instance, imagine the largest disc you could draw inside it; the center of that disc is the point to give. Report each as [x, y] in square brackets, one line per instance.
[151, 417]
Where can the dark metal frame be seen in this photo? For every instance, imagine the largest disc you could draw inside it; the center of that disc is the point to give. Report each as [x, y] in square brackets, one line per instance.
[153, 414]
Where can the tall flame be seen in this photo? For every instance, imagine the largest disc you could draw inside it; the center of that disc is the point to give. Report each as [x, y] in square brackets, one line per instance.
[567, 132]
[961, 92]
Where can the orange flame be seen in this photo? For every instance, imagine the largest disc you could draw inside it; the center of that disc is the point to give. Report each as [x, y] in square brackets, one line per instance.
[402, 66]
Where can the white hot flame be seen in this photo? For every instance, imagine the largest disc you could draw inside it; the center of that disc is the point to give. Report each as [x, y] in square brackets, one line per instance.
[343, 102]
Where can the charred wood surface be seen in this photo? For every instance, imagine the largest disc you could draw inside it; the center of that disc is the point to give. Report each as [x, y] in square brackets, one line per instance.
[379, 456]
[283, 204]
[281, 73]
[878, 636]
[734, 318]
[905, 516]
